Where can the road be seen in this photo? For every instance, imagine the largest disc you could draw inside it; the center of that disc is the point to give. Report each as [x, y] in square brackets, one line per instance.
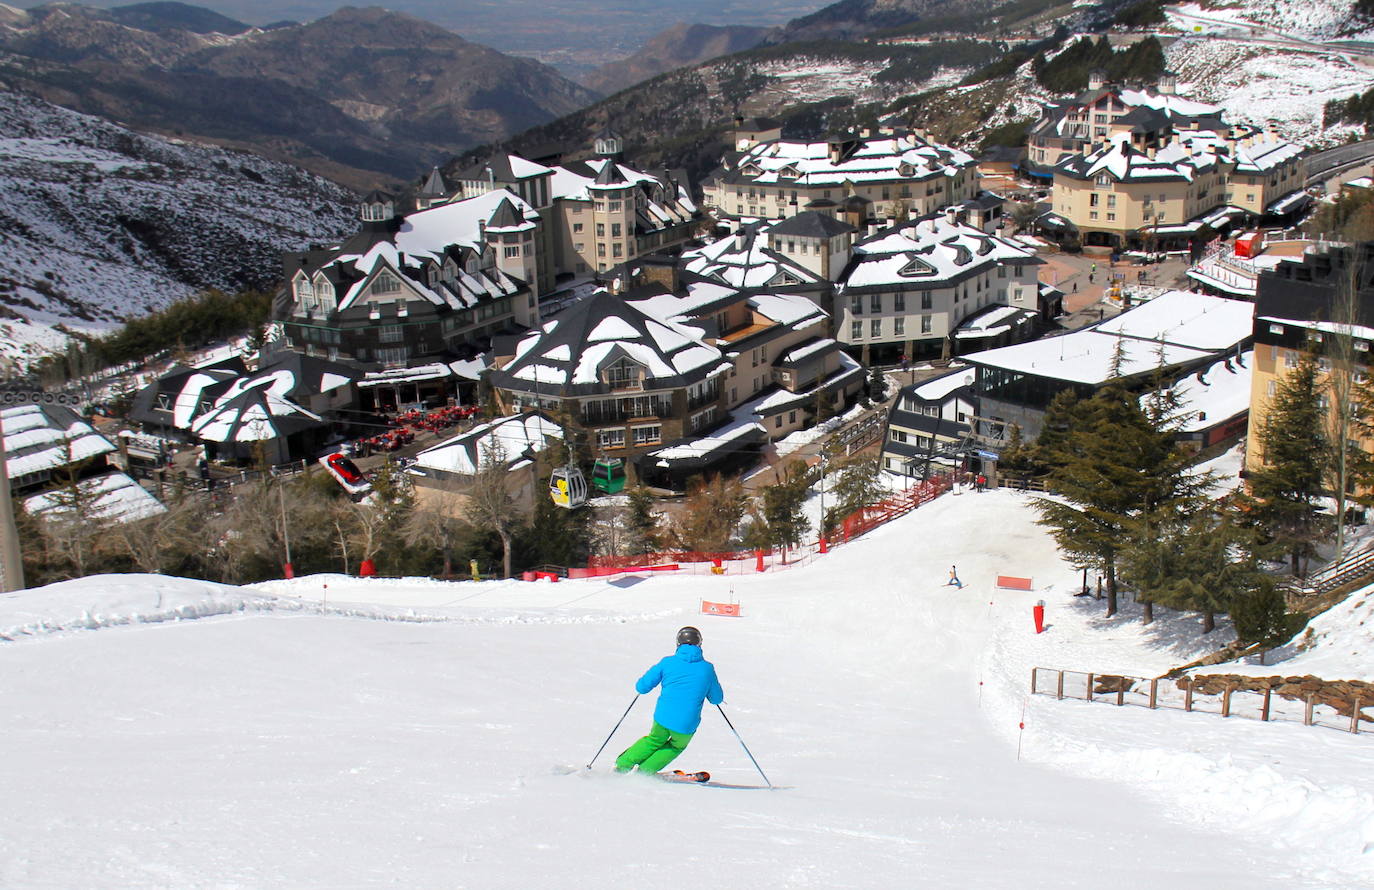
[1324, 164]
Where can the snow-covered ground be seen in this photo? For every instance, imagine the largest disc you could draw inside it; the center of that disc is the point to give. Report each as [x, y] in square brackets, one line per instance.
[331, 732]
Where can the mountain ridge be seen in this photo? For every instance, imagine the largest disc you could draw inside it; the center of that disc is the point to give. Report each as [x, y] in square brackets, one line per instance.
[365, 95]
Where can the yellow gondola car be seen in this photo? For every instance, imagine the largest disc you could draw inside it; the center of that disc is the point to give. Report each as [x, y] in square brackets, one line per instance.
[568, 487]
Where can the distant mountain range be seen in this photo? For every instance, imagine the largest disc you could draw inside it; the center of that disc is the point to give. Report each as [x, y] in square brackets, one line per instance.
[680, 45]
[364, 96]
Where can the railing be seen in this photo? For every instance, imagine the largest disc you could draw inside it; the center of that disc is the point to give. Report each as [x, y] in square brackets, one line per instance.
[1193, 695]
[1355, 567]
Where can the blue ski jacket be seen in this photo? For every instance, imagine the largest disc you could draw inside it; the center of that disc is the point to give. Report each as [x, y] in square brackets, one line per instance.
[688, 680]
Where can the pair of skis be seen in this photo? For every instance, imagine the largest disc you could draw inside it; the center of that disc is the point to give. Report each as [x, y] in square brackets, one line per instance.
[703, 778]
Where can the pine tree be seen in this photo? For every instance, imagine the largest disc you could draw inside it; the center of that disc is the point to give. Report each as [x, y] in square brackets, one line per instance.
[857, 485]
[782, 507]
[1114, 474]
[642, 533]
[1287, 489]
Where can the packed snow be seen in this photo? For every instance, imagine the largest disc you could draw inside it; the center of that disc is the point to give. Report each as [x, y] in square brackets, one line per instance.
[330, 731]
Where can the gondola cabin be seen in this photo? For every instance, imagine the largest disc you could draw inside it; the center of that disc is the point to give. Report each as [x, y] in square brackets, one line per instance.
[568, 487]
[608, 475]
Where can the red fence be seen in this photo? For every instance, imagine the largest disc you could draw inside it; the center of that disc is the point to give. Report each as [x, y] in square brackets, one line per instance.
[741, 562]
[868, 518]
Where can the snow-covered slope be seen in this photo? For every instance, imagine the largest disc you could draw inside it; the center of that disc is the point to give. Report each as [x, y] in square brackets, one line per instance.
[99, 223]
[292, 737]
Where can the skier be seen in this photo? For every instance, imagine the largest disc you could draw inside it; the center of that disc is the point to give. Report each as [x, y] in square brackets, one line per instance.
[688, 680]
[954, 578]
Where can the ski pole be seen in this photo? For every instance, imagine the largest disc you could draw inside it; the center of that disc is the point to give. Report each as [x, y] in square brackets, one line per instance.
[617, 726]
[744, 746]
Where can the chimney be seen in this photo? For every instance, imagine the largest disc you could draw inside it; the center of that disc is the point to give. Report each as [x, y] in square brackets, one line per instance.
[952, 215]
[1150, 152]
[482, 230]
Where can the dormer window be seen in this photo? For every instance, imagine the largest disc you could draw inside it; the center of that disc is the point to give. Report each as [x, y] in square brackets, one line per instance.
[386, 283]
[1104, 180]
[623, 374]
[916, 269]
[789, 173]
[377, 211]
[905, 169]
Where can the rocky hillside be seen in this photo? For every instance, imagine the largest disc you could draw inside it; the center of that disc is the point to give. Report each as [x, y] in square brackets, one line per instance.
[679, 46]
[363, 95]
[99, 223]
[970, 76]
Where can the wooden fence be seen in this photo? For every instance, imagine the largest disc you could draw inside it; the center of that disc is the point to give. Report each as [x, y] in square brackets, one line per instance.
[1183, 694]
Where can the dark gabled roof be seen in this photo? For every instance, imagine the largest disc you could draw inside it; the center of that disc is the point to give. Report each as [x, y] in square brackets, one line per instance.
[505, 216]
[811, 224]
[434, 185]
[607, 133]
[308, 370]
[377, 196]
[569, 334]
[610, 175]
[757, 123]
[145, 408]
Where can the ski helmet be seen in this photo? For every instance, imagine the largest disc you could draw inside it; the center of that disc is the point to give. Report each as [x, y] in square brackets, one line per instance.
[689, 636]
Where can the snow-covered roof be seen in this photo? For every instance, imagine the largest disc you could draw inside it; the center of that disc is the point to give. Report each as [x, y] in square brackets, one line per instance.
[113, 497]
[745, 260]
[516, 437]
[46, 437]
[1188, 155]
[938, 388]
[665, 203]
[1188, 319]
[1214, 394]
[255, 409]
[906, 157]
[567, 354]
[1182, 329]
[930, 252]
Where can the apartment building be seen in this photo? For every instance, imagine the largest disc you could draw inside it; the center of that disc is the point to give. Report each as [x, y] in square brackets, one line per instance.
[1118, 194]
[935, 286]
[1295, 314]
[894, 173]
[411, 288]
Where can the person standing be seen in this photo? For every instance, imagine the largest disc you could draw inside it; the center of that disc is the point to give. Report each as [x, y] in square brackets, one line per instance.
[688, 680]
[954, 577]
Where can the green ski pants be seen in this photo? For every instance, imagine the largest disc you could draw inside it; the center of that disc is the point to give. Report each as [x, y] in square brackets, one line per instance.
[653, 752]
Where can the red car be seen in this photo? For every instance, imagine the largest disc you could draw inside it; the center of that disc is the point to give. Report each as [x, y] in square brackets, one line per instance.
[346, 472]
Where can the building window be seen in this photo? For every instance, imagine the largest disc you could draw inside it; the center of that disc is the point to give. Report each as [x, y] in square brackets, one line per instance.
[875, 303]
[577, 227]
[394, 355]
[925, 300]
[614, 438]
[898, 326]
[777, 422]
[390, 333]
[512, 251]
[856, 330]
[617, 249]
[647, 435]
[875, 328]
[857, 306]
[615, 206]
[386, 284]
[899, 302]
[925, 324]
[615, 230]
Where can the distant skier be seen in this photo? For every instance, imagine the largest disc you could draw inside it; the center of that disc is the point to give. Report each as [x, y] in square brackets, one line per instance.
[688, 681]
[954, 578]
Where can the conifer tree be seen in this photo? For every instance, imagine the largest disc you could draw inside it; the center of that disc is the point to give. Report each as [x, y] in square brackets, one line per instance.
[1114, 473]
[642, 533]
[782, 507]
[857, 485]
[1287, 489]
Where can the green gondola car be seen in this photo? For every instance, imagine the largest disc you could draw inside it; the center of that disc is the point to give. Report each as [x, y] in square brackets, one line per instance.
[608, 475]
